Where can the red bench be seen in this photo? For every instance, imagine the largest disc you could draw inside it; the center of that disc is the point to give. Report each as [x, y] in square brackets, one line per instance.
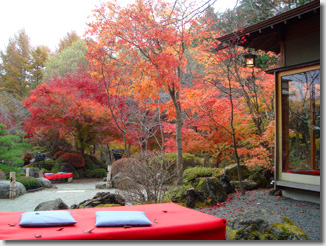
[58, 175]
[169, 222]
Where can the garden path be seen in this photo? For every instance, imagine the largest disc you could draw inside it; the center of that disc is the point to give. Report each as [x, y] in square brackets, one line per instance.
[70, 193]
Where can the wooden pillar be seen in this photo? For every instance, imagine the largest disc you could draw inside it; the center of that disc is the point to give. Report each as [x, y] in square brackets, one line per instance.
[27, 171]
[312, 126]
[108, 177]
[12, 186]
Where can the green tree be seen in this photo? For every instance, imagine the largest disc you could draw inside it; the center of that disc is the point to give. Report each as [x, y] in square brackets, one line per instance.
[39, 57]
[67, 41]
[12, 147]
[21, 65]
[68, 61]
[15, 76]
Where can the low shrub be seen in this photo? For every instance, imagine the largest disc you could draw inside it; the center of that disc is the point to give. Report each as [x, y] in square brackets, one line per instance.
[76, 160]
[48, 165]
[188, 160]
[192, 175]
[56, 168]
[177, 194]
[122, 164]
[91, 162]
[96, 173]
[40, 149]
[58, 154]
[29, 182]
[143, 177]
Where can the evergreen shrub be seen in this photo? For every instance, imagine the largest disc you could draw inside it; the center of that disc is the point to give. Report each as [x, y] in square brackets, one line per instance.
[188, 160]
[29, 182]
[48, 165]
[192, 175]
[96, 173]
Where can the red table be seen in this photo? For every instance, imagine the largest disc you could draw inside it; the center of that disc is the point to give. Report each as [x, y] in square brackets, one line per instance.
[170, 222]
[58, 176]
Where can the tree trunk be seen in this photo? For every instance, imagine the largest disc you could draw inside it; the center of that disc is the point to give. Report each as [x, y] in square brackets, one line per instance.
[234, 139]
[179, 149]
[175, 99]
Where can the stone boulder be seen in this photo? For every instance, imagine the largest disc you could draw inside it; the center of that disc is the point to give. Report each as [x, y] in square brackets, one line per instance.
[4, 189]
[99, 199]
[45, 182]
[56, 204]
[232, 172]
[263, 225]
[100, 185]
[247, 184]
[261, 180]
[2, 175]
[115, 180]
[212, 189]
[274, 192]
[193, 196]
[225, 181]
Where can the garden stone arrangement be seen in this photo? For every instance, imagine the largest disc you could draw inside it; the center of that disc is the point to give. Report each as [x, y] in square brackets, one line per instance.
[263, 225]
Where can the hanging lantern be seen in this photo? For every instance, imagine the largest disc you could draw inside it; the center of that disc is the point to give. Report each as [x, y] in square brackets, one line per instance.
[250, 60]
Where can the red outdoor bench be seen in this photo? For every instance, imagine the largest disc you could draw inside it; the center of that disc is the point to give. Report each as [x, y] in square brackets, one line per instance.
[169, 222]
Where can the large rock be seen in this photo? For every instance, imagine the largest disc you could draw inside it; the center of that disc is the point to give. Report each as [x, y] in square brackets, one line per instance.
[225, 181]
[100, 185]
[247, 184]
[56, 204]
[263, 225]
[193, 196]
[99, 199]
[232, 172]
[260, 180]
[212, 189]
[4, 189]
[115, 180]
[45, 182]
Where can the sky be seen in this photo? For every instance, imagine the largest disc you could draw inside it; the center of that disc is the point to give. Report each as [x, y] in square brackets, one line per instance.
[48, 21]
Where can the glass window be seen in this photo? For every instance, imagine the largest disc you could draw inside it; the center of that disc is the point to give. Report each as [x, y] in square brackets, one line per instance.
[301, 122]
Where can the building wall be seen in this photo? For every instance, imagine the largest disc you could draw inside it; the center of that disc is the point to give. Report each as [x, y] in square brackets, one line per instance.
[302, 49]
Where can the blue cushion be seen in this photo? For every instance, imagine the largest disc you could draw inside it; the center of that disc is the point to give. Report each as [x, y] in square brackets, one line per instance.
[49, 173]
[46, 218]
[61, 172]
[121, 218]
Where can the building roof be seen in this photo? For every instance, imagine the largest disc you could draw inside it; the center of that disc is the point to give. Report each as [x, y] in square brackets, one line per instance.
[266, 35]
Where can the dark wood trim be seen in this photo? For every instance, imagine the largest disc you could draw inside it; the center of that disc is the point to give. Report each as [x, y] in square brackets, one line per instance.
[298, 21]
[281, 69]
[276, 137]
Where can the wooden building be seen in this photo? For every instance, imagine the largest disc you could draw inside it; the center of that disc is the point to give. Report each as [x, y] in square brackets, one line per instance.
[295, 35]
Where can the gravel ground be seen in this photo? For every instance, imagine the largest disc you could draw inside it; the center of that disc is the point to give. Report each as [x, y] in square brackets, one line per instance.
[305, 215]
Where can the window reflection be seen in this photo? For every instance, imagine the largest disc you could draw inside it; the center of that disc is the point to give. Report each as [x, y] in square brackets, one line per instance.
[301, 122]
